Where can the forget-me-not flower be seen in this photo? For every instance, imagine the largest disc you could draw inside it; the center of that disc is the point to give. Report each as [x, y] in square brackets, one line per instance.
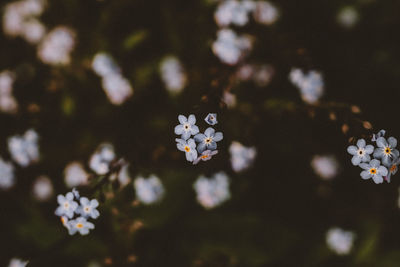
[211, 119]
[80, 225]
[206, 155]
[189, 147]
[392, 170]
[208, 140]
[361, 152]
[386, 150]
[88, 208]
[187, 126]
[373, 170]
[375, 137]
[67, 205]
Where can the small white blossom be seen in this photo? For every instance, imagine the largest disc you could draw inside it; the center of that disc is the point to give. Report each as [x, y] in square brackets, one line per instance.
[14, 262]
[123, 176]
[148, 190]
[310, 85]
[80, 225]
[241, 157]
[233, 12]
[212, 192]
[101, 159]
[173, 74]
[42, 188]
[340, 241]
[326, 166]
[8, 103]
[24, 149]
[7, 177]
[67, 205]
[88, 208]
[265, 13]
[75, 175]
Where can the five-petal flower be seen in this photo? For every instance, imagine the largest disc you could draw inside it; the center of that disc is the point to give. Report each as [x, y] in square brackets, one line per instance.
[80, 225]
[189, 147]
[67, 205]
[206, 155]
[211, 119]
[361, 152]
[88, 208]
[208, 140]
[187, 126]
[386, 150]
[373, 170]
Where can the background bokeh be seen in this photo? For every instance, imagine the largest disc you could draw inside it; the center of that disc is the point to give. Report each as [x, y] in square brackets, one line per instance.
[280, 210]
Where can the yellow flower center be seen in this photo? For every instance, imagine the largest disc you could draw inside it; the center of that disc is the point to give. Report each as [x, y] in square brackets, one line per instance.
[87, 209]
[79, 225]
[388, 150]
[63, 220]
[372, 171]
[208, 140]
[187, 149]
[204, 156]
[393, 168]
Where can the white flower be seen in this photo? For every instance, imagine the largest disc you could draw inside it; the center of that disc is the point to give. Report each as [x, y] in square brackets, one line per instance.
[24, 149]
[348, 17]
[56, 46]
[265, 13]
[189, 147]
[101, 159]
[88, 208]
[173, 74]
[75, 175]
[229, 47]
[42, 188]
[7, 101]
[123, 176]
[67, 205]
[311, 85]
[80, 225]
[7, 177]
[229, 99]
[233, 12]
[118, 89]
[241, 157]
[150, 190]
[103, 64]
[14, 262]
[186, 127]
[34, 31]
[212, 192]
[325, 166]
[340, 241]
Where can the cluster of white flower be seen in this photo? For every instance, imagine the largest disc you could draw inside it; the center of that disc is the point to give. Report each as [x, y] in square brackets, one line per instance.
[117, 88]
[75, 211]
[311, 84]
[173, 74]
[241, 157]
[148, 190]
[24, 149]
[8, 103]
[100, 160]
[231, 48]
[237, 12]
[42, 188]
[7, 177]
[75, 175]
[21, 19]
[261, 75]
[56, 46]
[325, 166]
[212, 192]
[340, 241]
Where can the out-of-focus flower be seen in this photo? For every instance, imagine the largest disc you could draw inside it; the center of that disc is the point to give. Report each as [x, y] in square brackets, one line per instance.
[206, 155]
[67, 205]
[88, 208]
[187, 126]
[212, 192]
[340, 241]
[80, 225]
[265, 13]
[20, 19]
[229, 99]
[56, 46]
[211, 119]
[42, 188]
[327, 167]
[101, 159]
[75, 175]
[392, 169]
[373, 170]
[117, 88]
[229, 47]
[386, 150]
[173, 74]
[148, 190]
[233, 12]
[241, 157]
[7, 101]
[208, 140]
[187, 146]
[260, 74]
[24, 149]
[122, 176]
[348, 17]
[311, 85]
[7, 177]
[14, 262]
[361, 152]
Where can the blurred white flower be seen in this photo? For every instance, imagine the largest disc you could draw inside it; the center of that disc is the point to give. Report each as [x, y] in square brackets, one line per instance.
[101, 158]
[75, 175]
[348, 17]
[233, 12]
[265, 13]
[211, 192]
[241, 157]
[20, 19]
[173, 74]
[42, 188]
[123, 176]
[326, 166]
[56, 46]
[14, 262]
[148, 190]
[24, 149]
[311, 85]
[229, 47]
[7, 177]
[340, 241]
[229, 99]
[260, 74]
[117, 88]
[7, 101]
